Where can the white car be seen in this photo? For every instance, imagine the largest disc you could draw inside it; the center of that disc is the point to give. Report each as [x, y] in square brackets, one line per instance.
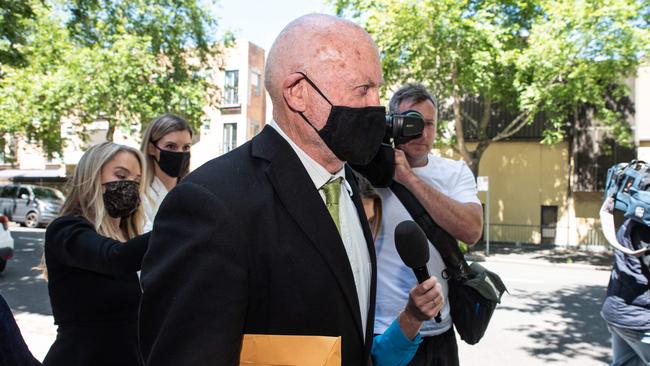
[6, 243]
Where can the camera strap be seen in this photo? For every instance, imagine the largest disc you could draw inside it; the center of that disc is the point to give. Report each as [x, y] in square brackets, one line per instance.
[446, 244]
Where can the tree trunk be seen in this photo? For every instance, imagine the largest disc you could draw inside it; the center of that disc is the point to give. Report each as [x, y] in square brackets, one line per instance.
[458, 122]
[473, 164]
[475, 156]
[110, 132]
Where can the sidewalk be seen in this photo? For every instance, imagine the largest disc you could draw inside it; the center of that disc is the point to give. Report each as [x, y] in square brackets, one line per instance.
[543, 254]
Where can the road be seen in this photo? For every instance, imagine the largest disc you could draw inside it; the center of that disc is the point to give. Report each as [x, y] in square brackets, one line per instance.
[550, 317]
[25, 289]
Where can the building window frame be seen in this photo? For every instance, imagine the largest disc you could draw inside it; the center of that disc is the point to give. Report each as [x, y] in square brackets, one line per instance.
[229, 136]
[256, 83]
[231, 87]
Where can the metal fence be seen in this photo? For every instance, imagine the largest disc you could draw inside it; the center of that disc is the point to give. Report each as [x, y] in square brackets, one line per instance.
[535, 234]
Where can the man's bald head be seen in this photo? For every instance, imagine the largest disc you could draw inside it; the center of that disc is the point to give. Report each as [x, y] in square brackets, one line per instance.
[319, 61]
[313, 42]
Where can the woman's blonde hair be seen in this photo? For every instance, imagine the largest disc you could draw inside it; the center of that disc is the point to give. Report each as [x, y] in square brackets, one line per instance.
[85, 196]
[156, 130]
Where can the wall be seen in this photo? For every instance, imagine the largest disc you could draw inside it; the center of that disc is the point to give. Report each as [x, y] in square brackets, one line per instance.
[641, 94]
[256, 116]
[525, 175]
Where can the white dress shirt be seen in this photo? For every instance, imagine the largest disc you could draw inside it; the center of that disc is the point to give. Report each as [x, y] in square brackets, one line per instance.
[351, 230]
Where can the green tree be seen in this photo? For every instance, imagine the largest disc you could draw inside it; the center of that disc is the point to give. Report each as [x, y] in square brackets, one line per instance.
[522, 56]
[123, 62]
[13, 16]
[33, 99]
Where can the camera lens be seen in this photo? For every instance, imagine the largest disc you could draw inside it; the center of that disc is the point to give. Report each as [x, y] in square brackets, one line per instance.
[405, 126]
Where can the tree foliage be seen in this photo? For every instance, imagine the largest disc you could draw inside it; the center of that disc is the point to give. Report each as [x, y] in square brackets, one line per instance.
[13, 16]
[524, 56]
[123, 62]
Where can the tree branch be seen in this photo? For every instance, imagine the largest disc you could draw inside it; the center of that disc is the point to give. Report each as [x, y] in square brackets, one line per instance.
[485, 118]
[513, 127]
[471, 119]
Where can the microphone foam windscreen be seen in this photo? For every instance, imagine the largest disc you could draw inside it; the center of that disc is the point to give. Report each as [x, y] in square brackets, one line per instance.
[411, 244]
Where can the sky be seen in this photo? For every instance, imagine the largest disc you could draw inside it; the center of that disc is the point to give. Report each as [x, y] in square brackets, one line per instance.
[261, 21]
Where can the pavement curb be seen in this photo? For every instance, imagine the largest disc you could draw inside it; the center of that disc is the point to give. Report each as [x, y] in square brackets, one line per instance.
[541, 262]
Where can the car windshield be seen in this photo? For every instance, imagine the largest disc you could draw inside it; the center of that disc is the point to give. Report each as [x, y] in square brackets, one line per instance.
[45, 193]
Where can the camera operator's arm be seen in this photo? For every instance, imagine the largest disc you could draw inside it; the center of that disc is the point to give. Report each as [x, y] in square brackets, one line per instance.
[609, 229]
[464, 221]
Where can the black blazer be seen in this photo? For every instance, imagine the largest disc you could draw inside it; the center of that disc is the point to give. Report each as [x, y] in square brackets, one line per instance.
[95, 293]
[245, 244]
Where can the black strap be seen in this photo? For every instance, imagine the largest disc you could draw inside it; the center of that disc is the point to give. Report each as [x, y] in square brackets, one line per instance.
[446, 244]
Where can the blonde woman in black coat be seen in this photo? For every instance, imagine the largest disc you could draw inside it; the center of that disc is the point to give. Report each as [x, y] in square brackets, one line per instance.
[92, 254]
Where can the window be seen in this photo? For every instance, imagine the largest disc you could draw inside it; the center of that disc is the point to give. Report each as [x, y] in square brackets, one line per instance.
[549, 224]
[45, 193]
[229, 136]
[9, 192]
[23, 191]
[256, 83]
[230, 88]
[205, 125]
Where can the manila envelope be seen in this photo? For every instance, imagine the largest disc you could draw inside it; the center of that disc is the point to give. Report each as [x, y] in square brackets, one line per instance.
[290, 350]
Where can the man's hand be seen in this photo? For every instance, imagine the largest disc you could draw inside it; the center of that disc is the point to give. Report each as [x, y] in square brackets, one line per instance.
[403, 172]
[464, 221]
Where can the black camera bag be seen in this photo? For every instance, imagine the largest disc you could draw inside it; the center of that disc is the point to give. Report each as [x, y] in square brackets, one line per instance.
[474, 292]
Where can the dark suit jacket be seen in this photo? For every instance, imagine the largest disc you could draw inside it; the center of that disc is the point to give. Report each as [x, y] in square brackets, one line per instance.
[245, 244]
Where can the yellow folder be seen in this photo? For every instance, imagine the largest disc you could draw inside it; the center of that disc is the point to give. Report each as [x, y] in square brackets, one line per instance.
[290, 350]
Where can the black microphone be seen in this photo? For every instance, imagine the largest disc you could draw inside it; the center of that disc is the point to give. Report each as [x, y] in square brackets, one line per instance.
[413, 247]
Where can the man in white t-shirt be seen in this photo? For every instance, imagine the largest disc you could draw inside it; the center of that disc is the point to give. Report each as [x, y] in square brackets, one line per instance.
[447, 189]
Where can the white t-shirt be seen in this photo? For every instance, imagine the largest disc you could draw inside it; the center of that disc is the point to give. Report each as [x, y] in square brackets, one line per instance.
[154, 195]
[394, 279]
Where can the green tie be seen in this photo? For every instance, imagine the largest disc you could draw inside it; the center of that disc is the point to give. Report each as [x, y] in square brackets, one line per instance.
[332, 191]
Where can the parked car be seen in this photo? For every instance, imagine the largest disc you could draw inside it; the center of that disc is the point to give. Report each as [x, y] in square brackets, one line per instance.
[6, 243]
[30, 205]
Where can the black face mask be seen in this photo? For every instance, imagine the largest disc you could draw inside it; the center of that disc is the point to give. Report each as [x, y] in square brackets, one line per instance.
[172, 162]
[353, 134]
[121, 198]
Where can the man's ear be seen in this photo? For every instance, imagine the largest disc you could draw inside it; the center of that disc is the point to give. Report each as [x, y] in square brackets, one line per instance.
[294, 92]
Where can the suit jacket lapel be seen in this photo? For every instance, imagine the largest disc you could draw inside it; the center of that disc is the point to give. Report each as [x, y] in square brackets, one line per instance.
[298, 195]
[356, 198]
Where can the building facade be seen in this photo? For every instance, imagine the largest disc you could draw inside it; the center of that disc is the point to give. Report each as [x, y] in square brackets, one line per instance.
[242, 112]
[552, 194]
[641, 94]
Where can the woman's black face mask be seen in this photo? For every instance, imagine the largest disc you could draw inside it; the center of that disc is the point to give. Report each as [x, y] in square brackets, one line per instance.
[121, 198]
[353, 134]
[171, 162]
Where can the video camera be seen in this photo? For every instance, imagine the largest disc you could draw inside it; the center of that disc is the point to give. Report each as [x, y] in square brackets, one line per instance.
[627, 189]
[400, 128]
[403, 127]
[629, 186]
